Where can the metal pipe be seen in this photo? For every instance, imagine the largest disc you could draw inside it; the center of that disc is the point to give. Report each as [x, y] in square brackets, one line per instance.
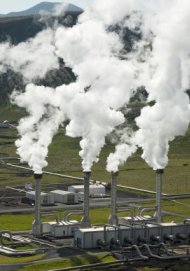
[8, 233]
[66, 216]
[86, 217]
[159, 173]
[168, 257]
[139, 252]
[116, 229]
[147, 208]
[113, 219]
[155, 223]
[37, 225]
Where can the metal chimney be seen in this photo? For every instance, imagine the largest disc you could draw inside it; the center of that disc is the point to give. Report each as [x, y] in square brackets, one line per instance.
[159, 173]
[37, 225]
[113, 219]
[86, 218]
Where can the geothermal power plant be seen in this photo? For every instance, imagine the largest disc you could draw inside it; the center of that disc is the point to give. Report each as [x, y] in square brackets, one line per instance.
[147, 235]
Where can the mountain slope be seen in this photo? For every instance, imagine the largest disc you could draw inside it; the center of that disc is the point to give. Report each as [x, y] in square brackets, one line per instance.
[44, 7]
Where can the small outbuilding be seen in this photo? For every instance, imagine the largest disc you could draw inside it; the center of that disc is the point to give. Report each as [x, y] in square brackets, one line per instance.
[95, 190]
[65, 197]
[60, 229]
[46, 199]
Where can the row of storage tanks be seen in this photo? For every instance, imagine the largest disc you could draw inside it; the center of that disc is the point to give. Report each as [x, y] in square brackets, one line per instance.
[74, 194]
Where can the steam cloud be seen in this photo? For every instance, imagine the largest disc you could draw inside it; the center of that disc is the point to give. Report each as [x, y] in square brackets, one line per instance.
[38, 129]
[166, 80]
[105, 81]
[33, 58]
[107, 78]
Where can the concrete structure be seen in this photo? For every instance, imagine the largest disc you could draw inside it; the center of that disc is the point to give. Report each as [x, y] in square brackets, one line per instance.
[65, 197]
[95, 190]
[113, 220]
[86, 218]
[45, 198]
[158, 214]
[37, 225]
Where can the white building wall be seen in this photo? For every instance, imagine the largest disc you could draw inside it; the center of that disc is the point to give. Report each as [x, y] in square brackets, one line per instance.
[46, 199]
[65, 197]
[94, 189]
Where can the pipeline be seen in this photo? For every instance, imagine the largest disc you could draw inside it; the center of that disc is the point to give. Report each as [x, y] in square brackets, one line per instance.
[132, 229]
[1, 236]
[151, 208]
[168, 257]
[116, 228]
[69, 213]
[139, 252]
[174, 214]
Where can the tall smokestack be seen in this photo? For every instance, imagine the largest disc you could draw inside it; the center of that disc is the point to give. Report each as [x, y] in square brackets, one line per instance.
[86, 218]
[113, 220]
[159, 173]
[37, 225]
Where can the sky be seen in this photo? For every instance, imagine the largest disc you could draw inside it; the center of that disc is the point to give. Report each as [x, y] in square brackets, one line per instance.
[19, 5]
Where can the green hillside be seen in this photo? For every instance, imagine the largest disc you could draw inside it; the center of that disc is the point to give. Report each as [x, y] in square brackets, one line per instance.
[63, 158]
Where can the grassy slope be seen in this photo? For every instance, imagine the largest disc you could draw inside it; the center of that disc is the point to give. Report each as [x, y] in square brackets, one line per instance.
[98, 216]
[63, 157]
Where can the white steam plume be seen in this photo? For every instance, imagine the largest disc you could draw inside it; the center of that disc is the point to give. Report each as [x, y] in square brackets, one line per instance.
[166, 80]
[33, 58]
[38, 129]
[123, 151]
[93, 54]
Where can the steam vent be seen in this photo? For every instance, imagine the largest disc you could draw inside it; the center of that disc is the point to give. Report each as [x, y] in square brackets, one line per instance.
[159, 174]
[113, 220]
[37, 225]
[86, 218]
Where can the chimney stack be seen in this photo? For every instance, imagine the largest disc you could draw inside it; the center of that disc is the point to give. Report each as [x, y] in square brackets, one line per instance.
[86, 218]
[37, 225]
[159, 173]
[113, 219]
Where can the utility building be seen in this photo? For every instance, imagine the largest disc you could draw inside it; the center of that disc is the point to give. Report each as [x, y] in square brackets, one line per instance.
[46, 199]
[65, 197]
[95, 190]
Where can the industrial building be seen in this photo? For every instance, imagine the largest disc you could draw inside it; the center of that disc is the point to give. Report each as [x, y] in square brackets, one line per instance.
[95, 190]
[61, 228]
[136, 232]
[46, 198]
[65, 197]
[133, 234]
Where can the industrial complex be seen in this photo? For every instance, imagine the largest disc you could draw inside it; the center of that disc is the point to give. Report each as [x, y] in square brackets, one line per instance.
[132, 237]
